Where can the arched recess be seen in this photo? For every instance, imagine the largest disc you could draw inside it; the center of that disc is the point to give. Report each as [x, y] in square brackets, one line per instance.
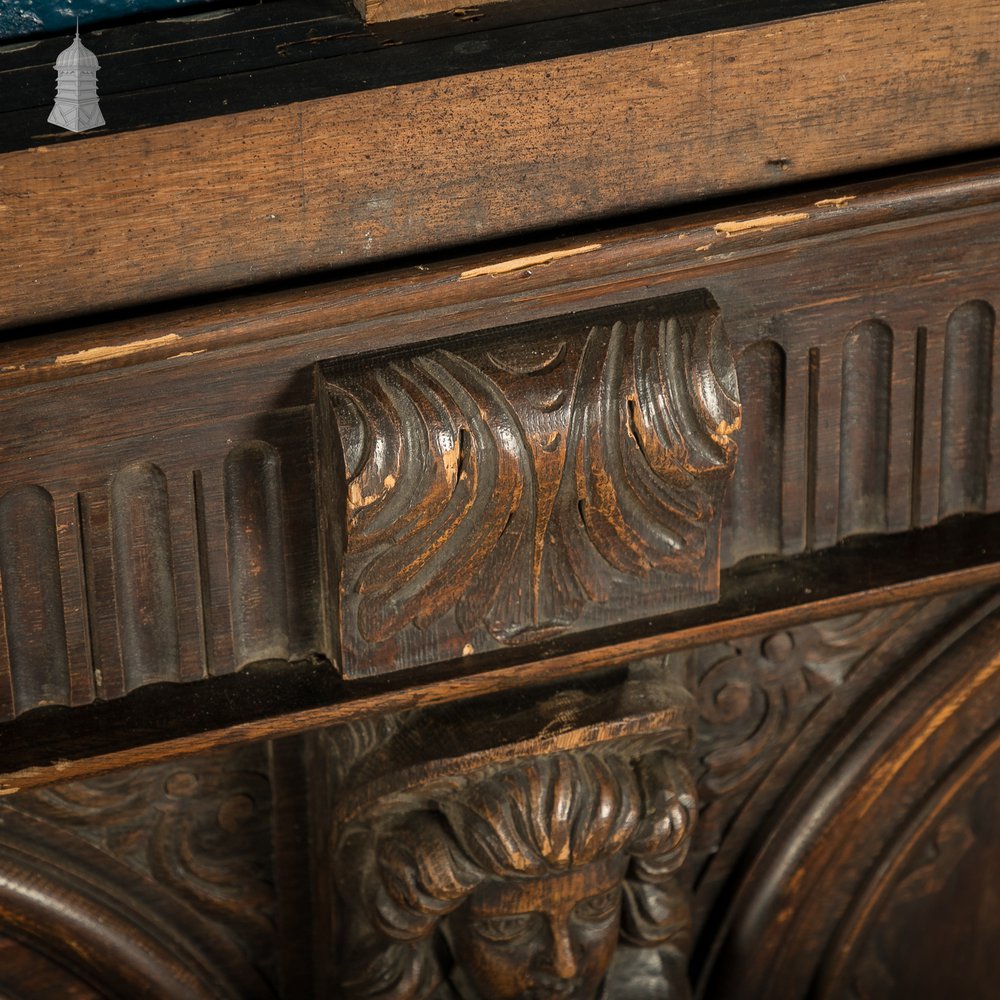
[94, 927]
[861, 831]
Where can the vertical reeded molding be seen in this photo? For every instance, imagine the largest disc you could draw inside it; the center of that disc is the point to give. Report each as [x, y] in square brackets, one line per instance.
[144, 578]
[256, 552]
[864, 429]
[752, 523]
[966, 408]
[32, 591]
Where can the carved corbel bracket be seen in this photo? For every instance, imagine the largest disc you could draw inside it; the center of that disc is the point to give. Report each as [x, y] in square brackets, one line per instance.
[524, 483]
[508, 850]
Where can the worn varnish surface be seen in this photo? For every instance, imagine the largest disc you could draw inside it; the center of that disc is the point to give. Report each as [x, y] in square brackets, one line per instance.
[307, 187]
[861, 852]
[152, 883]
[206, 532]
[534, 481]
[541, 836]
[859, 750]
[201, 547]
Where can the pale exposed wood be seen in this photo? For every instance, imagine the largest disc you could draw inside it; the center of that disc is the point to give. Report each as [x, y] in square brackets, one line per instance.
[356, 178]
[372, 312]
[377, 11]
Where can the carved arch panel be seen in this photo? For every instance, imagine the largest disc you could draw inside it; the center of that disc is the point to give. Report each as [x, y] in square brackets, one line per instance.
[884, 816]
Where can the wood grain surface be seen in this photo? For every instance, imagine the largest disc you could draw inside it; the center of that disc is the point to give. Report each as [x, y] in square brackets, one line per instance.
[583, 824]
[301, 189]
[551, 478]
[179, 505]
[876, 809]
[274, 700]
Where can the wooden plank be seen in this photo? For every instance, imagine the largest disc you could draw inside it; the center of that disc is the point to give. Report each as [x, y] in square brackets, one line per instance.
[158, 724]
[376, 11]
[266, 195]
[181, 69]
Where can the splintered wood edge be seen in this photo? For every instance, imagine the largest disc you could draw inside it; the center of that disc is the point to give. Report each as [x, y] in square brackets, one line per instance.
[685, 243]
[310, 183]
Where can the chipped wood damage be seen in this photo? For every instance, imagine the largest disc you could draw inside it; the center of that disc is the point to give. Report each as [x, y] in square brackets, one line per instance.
[523, 263]
[760, 224]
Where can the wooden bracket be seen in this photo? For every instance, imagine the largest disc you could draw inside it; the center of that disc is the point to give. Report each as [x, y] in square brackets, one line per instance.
[548, 478]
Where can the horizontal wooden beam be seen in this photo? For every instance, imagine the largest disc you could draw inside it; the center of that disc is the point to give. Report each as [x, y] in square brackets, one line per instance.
[226, 202]
[92, 414]
[154, 724]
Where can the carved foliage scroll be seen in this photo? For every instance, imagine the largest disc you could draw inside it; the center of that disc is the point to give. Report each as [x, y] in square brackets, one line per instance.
[153, 882]
[546, 478]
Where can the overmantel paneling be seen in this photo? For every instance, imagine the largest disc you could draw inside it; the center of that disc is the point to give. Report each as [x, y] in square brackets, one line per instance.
[176, 475]
[834, 779]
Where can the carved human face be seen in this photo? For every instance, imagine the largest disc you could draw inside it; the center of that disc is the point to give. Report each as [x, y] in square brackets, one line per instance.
[540, 939]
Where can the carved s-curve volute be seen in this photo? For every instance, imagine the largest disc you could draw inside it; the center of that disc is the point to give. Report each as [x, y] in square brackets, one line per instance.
[531, 481]
[526, 866]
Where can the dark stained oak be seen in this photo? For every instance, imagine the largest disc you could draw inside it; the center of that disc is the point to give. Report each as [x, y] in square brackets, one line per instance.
[531, 482]
[539, 843]
[611, 617]
[447, 832]
[881, 806]
[278, 699]
[307, 187]
[210, 530]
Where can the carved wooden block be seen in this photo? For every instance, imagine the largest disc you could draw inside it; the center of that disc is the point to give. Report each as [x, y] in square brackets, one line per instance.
[528, 482]
[527, 849]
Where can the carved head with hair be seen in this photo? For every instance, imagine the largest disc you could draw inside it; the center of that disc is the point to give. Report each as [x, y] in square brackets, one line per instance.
[521, 880]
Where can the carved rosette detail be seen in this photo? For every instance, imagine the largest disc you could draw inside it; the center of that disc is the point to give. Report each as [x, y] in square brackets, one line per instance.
[549, 482]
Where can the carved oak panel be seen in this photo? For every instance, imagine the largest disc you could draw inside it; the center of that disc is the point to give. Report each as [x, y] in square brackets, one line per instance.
[154, 882]
[183, 512]
[529, 482]
[828, 902]
[541, 862]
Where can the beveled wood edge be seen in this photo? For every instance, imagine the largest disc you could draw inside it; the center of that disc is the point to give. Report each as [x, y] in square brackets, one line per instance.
[323, 212]
[335, 317]
[758, 596]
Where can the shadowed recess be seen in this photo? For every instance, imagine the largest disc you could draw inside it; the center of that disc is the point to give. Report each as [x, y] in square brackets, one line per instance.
[32, 592]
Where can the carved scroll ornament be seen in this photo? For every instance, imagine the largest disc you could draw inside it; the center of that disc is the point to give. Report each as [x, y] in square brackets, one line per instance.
[544, 869]
[536, 480]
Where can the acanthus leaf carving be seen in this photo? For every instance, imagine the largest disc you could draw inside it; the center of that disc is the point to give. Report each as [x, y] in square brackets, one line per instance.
[509, 489]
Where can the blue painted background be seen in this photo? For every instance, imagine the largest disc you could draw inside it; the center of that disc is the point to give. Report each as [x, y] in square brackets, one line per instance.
[20, 18]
